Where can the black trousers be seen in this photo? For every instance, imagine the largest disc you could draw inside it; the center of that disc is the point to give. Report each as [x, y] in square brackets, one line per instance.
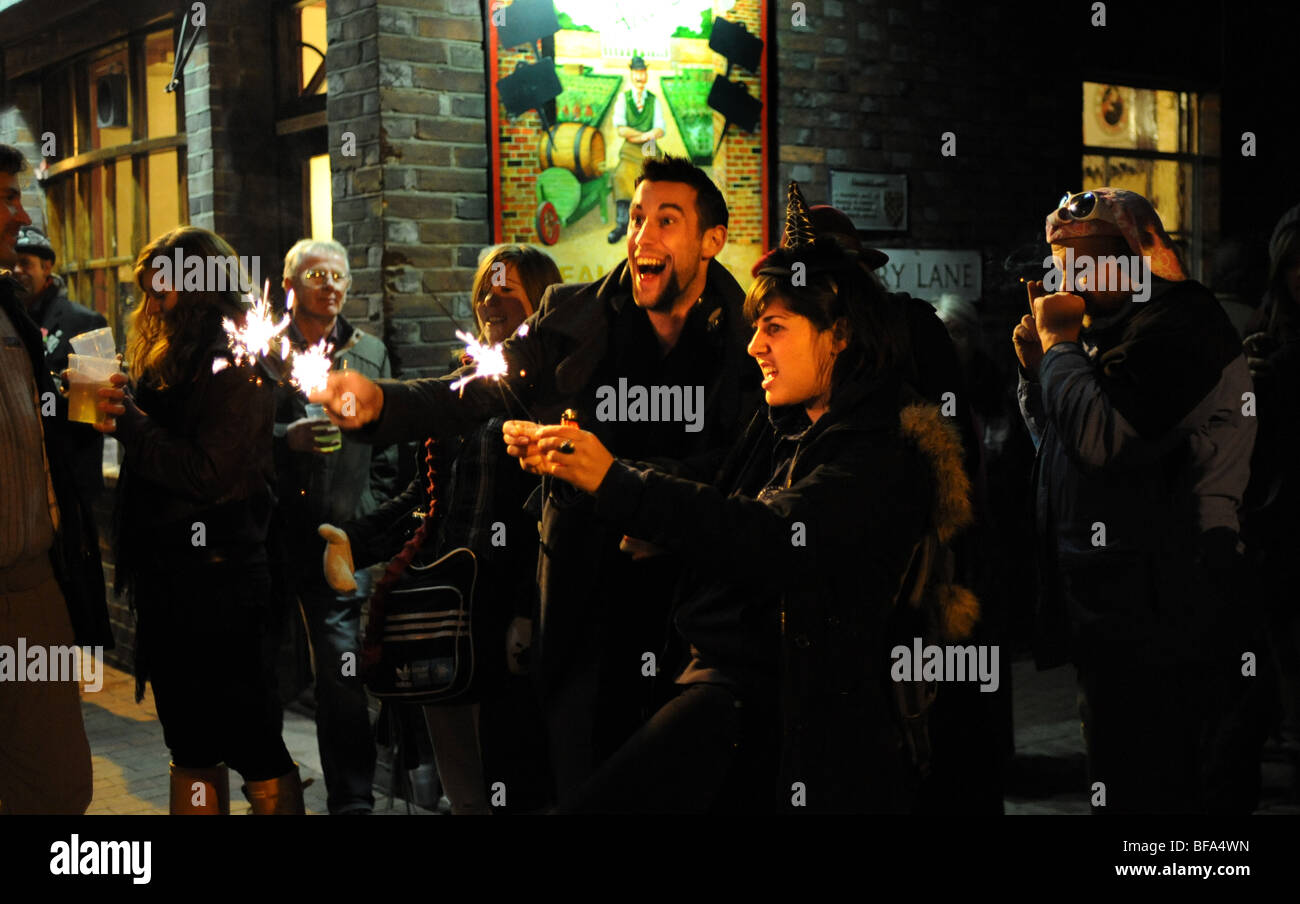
[210, 658]
[678, 762]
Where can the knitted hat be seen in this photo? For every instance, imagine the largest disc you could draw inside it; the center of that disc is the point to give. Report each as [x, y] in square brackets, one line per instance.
[802, 244]
[1116, 211]
[32, 241]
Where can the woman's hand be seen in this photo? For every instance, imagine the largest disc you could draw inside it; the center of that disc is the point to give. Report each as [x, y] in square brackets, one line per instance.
[112, 402]
[573, 455]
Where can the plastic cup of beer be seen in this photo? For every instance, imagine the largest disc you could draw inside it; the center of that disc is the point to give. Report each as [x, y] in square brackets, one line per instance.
[328, 437]
[95, 344]
[86, 376]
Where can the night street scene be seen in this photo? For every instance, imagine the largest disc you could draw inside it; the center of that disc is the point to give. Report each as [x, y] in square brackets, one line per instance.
[871, 408]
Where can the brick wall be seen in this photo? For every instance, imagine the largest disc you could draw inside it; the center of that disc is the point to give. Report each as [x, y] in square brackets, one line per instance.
[738, 168]
[19, 126]
[230, 123]
[873, 84]
[407, 79]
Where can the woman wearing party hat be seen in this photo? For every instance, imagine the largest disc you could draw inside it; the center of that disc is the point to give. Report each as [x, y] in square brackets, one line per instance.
[809, 554]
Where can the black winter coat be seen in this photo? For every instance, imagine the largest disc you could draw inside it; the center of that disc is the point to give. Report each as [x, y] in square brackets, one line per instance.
[75, 554]
[196, 453]
[561, 362]
[826, 551]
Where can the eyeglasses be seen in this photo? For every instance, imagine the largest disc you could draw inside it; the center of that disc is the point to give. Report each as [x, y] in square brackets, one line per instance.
[318, 278]
[1082, 206]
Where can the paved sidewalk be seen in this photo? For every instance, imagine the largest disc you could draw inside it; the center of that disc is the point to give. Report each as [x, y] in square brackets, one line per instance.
[130, 759]
[1047, 777]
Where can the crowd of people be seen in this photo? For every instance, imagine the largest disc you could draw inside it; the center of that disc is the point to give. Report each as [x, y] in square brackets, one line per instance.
[671, 615]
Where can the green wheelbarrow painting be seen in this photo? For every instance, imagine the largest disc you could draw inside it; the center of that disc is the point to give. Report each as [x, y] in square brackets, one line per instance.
[573, 180]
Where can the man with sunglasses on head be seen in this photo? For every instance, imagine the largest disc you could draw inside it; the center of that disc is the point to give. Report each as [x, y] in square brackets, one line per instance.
[1137, 396]
[324, 477]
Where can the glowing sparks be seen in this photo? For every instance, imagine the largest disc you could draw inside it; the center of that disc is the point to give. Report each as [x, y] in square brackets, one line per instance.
[253, 338]
[311, 368]
[489, 360]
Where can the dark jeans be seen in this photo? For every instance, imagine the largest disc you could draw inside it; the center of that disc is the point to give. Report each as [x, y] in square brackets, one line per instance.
[343, 732]
[678, 762]
[211, 664]
[1171, 739]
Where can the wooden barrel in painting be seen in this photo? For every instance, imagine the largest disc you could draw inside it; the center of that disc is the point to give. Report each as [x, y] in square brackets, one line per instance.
[574, 146]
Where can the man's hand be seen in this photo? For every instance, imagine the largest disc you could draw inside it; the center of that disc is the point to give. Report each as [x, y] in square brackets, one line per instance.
[1058, 316]
[350, 400]
[112, 402]
[338, 559]
[301, 434]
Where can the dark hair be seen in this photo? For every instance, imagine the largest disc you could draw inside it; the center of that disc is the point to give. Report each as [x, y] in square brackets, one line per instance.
[877, 333]
[169, 347]
[536, 271]
[710, 206]
[11, 159]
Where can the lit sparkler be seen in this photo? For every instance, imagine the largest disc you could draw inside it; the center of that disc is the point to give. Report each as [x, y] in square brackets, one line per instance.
[311, 368]
[489, 363]
[253, 338]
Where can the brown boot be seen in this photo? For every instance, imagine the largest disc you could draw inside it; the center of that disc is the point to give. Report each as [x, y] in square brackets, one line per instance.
[199, 792]
[276, 796]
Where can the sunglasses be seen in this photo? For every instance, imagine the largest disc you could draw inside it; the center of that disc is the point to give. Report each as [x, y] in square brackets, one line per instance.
[1082, 206]
[317, 278]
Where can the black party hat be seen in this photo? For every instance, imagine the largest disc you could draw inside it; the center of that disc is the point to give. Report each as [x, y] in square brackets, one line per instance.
[801, 244]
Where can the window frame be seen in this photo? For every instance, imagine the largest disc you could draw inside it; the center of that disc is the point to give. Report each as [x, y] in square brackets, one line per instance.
[1199, 229]
[69, 183]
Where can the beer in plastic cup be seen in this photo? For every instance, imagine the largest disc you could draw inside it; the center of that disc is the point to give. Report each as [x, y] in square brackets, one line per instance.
[86, 376]
[330, 440]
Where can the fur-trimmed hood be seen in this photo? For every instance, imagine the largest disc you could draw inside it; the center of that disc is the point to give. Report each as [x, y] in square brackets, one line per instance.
[935, 437]
[951, 609]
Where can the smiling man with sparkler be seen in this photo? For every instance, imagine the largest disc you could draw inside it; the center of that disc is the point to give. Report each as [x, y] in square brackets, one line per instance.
[668, 316]
[323, 478]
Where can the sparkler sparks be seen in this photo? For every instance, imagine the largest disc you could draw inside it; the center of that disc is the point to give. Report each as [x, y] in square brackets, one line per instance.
[490, 362]
[311, 368]
[253, 338]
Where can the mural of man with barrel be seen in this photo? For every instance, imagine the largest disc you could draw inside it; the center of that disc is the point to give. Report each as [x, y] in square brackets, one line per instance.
[639, 122]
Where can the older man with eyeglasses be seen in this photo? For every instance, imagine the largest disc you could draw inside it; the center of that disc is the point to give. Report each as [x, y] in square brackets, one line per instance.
[326, 478]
